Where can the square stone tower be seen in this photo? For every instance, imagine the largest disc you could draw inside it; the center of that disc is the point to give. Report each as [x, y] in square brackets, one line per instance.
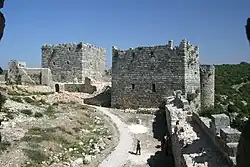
[144, 76]
[73, 62]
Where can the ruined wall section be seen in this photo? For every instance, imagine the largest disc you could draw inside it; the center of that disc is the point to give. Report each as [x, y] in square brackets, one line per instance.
[71, 61]
[18, 73]
[207, 73]
[141, 77]
[192, 66]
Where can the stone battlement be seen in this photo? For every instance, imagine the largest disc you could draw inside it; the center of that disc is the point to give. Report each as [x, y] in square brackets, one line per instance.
[183, 45]
[212, 140]
[207, 70]
[70, 45]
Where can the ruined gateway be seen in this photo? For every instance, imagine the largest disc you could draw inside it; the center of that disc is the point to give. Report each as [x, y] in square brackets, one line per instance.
[144, 76]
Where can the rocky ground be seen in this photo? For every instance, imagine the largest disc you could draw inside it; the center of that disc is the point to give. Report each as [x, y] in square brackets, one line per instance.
[42, 128]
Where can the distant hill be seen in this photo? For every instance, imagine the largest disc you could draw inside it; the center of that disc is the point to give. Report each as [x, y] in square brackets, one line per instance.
[232, 87]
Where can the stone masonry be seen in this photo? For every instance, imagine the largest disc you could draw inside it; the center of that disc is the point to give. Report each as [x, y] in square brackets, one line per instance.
[18, 73]
[207, 85]
[143, 76]
[70, 62]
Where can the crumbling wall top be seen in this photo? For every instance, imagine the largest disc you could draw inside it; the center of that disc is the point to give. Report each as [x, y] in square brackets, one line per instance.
[72, 44]
[205, 69]
[183, 45]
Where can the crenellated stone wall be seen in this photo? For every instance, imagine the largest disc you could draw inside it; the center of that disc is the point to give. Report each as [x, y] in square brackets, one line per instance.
[143, 76]
[214, 136]
[221, 134]
[71, 61]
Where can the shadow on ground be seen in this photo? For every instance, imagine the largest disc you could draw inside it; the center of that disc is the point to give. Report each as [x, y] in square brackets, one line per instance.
[160, 159]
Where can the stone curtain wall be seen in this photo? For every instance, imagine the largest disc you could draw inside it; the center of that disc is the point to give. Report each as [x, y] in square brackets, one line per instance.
[70, 62]
[207, 85]
[137, 72]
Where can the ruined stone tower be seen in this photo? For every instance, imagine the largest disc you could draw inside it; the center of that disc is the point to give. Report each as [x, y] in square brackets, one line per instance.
[143, 76]
[207, 80]
[69, 62]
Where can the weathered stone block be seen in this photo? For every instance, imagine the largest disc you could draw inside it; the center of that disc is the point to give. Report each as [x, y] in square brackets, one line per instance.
[221, 120]
[230, 135]
[231, 149]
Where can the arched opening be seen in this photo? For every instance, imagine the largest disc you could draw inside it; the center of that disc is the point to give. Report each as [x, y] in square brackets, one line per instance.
[57, 87]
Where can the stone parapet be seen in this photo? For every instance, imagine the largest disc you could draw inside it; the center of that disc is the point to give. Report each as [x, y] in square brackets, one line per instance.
[221, 134]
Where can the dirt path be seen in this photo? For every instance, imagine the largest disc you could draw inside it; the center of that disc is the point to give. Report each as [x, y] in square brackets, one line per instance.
[120, 155]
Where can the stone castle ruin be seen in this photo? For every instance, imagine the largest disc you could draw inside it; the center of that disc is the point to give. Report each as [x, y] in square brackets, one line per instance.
[66, 67]
[143, 76]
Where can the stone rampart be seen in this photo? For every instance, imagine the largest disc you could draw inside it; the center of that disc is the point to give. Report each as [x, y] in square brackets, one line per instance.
[178, 137]
[221, 134]
[199, 140]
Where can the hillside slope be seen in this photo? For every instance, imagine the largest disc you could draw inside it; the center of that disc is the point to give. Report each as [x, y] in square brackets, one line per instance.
[232, 90]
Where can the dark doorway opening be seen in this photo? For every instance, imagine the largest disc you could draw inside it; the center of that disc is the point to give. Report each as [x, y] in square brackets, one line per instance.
[153, 88]
[133, 86]
[57, 87]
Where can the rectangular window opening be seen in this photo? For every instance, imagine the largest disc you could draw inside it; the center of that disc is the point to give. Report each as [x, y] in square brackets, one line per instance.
[153, 88]
[133, 86]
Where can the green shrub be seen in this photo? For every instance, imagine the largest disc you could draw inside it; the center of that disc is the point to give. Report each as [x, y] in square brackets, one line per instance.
[17, 99]
[232, 108]
[38, 115]
[50, 111]
[29, 100]
[42, 101]
[27, 112]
